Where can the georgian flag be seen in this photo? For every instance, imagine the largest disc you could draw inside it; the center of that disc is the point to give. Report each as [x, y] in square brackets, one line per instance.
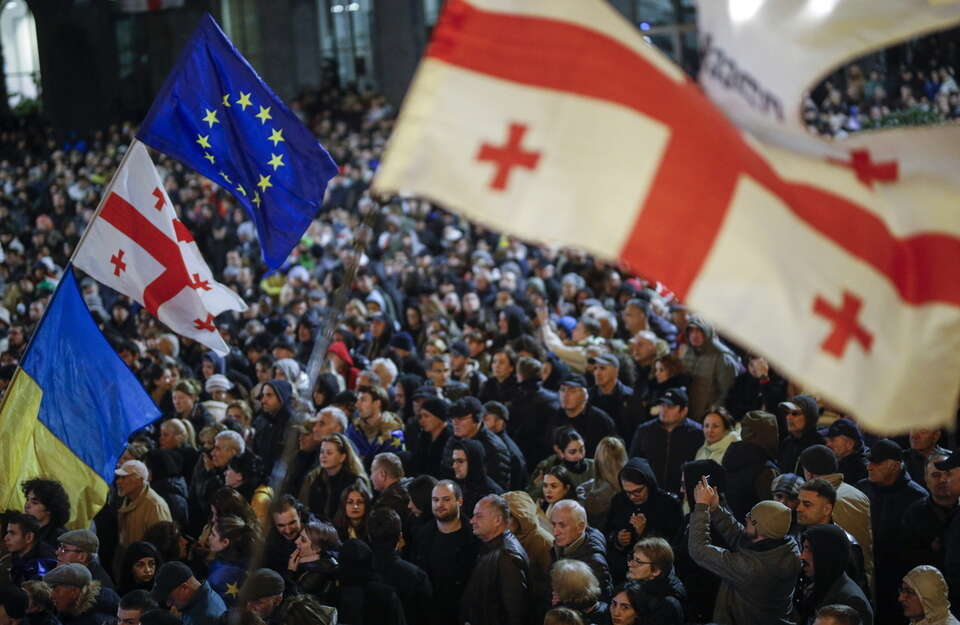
[554, 120]
[137, 246]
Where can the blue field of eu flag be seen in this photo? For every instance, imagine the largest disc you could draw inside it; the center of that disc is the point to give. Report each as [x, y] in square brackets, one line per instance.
[215, 114]
[69, 409]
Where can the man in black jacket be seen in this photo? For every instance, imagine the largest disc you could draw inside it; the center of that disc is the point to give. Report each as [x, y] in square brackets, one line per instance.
[530, 410]
[467, 417]
[408, 580]
[470, 474]
[496, 416]
[497, 591]
[610, 394]
[891, 491]
[951, 557]
[668, 441]
[844, 438]
[446, 550]
[272, 423]
[575, 411]
[573, 539]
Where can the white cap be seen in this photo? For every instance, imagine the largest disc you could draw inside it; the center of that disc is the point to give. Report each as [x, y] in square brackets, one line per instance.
[217, 382]
[133, 467]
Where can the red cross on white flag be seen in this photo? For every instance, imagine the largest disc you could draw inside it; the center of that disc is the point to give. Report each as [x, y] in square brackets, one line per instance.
[137, 246]
[554, 120]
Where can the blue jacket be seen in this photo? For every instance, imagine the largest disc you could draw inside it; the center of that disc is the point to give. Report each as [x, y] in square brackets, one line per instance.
[205, 608]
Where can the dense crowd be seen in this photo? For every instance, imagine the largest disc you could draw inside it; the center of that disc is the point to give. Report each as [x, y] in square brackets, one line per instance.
[502, 433]
[870, 93]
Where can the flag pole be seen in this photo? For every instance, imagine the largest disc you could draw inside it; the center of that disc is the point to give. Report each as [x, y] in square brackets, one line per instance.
[103, 200]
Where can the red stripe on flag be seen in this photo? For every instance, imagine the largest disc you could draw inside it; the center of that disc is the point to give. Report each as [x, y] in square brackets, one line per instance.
[703, 161]
[123, 216]
[154, 5]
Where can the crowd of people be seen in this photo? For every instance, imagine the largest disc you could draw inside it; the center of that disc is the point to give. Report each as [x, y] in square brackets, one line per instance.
[870, 93]
[503, 434]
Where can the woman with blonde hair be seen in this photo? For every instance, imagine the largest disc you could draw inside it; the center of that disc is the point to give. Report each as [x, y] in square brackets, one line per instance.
[339, 467]
[597, 493]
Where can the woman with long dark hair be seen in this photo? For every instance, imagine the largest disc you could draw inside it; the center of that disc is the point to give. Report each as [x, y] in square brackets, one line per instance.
[232, 543]
[138, 568]
[312, 567]
[339, 467]
[353, 511]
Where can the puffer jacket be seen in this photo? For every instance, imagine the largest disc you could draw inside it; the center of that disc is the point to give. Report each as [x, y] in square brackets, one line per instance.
[497, 591]
[713, 367]
[931, 588]
[536, 541]
[758, 578]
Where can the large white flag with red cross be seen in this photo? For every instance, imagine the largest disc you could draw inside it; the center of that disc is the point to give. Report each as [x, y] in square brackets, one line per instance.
[138, 246]
[554, 120]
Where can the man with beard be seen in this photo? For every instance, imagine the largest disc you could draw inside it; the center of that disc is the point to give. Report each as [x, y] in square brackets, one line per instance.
[446, 550]
[824, 559]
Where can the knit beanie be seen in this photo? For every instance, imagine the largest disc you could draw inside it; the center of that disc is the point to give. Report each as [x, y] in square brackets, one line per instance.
[772, 519]
[819, 460]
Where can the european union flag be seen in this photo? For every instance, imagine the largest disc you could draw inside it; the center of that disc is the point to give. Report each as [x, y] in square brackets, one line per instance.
[70, 408]
[215, 114]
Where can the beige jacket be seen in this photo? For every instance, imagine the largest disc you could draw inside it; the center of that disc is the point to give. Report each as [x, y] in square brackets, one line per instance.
[139, 512]
[931, 588]
[852, 513]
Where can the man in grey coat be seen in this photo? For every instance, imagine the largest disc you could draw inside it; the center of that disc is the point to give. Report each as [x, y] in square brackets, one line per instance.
[759, 571]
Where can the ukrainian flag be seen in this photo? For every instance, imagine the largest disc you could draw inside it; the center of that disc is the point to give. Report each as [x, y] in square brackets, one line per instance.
[69, 409]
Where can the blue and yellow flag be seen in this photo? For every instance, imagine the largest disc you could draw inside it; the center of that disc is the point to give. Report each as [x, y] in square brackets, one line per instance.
[215, 114]
[69, 409]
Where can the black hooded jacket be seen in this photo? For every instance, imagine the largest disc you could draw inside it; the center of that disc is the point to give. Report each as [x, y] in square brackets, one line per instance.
[477, 484]
[830, 583]
[528, 416]
[364, 598]
[495, 453]
[271, 429]
[791, 447]
[664, 600]
[663, 512]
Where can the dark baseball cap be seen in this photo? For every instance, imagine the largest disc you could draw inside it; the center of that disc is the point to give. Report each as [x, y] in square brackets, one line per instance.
[845, 427]
[170, 575]
[574, 379]
[951, 462]
[885, 449]
[460, 348]
[674, 397]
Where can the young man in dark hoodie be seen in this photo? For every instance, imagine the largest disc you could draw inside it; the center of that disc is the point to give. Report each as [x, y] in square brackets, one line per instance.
[271, 424]
[640, 510]
[670, 440]
[467, 460]
[824, 560]
[800, 415]
[467, 417]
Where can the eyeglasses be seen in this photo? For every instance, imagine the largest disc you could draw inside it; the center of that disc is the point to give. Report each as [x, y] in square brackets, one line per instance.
[636, 492]
[633, 560]
[62, 549]
[795, 413]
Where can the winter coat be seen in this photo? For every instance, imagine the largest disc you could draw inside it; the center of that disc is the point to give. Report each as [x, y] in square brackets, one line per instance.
[384, 436]
[578, 474]
[428, 456]
[270, 436]
[321, 493]
[408, 580]
[662, 510]
[852, 513]
[791, 446]
[477, 484]
[591, 549]
[317, 578]
[91, 607]
[592, 423]
[495, 390]
[667, 451]
[497, 592]
[931, 588]
[713, 367]
[364, 599]
[226, 578]
[518, 464]
[716, 451]
[853, 467]
[665, 599]
[536, 541]
[532, 406]
[596, 496]
[922, 530]
[496, 455]
[749, 462]
[616, 403]
[204, 608]
[830, 584]
[758, 578]
[750, 393]
[140, 512]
